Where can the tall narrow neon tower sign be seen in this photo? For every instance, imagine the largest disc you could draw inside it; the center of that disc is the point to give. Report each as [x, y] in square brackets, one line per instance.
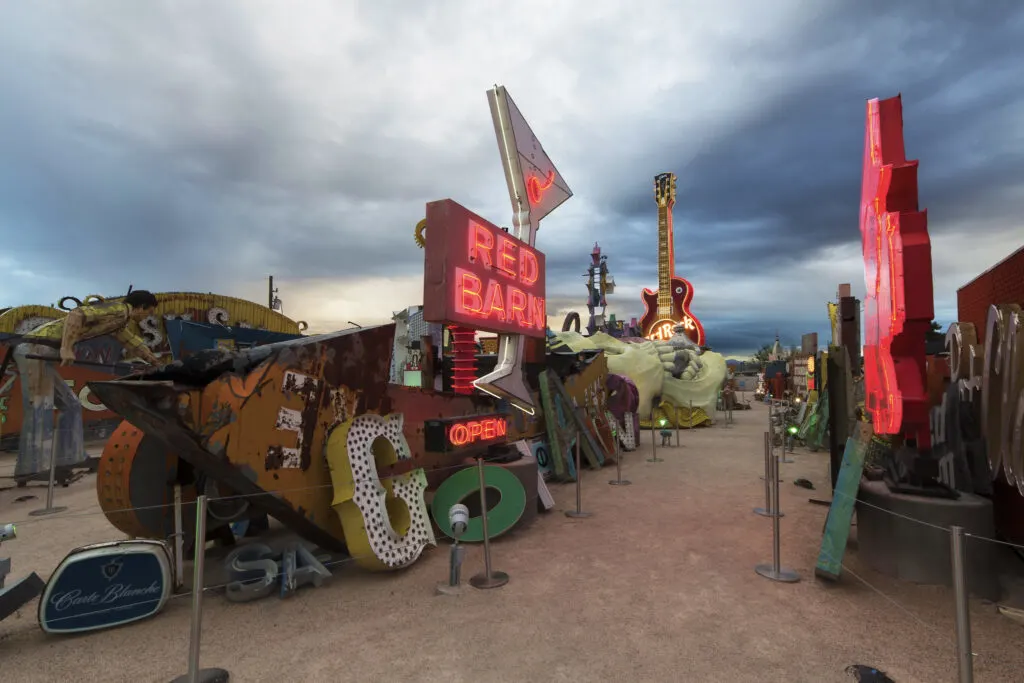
[535, 188]
[899, 305]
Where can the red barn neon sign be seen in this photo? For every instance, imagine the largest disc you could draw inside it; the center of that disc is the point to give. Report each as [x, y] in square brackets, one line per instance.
[898, 277]
[479, 276]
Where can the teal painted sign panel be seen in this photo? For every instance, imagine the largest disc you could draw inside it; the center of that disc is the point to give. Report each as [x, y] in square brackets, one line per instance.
[561, 433]
[844, 497]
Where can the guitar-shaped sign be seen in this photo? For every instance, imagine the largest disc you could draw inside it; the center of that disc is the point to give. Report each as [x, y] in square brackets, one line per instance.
[536, 188]
[670, 304]
[898, 307]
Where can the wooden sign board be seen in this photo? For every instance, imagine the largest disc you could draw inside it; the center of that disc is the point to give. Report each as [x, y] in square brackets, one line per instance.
[591, 450]
[589, 387]
[844, 498]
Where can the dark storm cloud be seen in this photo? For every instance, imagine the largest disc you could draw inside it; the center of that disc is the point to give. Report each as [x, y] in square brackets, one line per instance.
[790, 176]
[176, 144]
[111, 156]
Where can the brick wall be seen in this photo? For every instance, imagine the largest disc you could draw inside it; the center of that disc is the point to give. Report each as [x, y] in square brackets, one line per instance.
[1001, 284]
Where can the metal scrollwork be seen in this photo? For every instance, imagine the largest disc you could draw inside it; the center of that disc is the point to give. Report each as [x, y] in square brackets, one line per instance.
[218, 316]
[63, 307]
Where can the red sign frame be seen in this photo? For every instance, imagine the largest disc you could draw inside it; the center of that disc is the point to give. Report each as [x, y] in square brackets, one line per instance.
[479, 276]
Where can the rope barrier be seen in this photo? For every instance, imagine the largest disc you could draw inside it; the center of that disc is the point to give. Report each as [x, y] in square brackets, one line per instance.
[240, 496]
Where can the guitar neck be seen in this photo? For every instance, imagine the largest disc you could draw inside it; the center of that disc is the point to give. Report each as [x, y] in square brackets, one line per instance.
[665, 260]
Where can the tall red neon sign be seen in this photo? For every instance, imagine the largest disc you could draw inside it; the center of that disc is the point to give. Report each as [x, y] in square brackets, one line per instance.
[479, 276]
[899, 306]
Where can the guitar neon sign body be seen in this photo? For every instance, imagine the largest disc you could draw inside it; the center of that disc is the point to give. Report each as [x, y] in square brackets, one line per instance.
[898, 278]
[669, 305]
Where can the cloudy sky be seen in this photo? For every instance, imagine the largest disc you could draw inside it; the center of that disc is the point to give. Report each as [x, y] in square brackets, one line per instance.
[205, 145]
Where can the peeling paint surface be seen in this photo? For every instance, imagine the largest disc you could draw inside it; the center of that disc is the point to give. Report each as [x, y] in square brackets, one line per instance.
[280, 457]
[263, 412]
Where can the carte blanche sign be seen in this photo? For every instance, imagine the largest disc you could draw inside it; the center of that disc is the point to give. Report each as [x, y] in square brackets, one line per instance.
[106, 585]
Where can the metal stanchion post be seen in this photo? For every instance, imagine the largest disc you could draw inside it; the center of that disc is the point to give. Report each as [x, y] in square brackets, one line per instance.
[179, 541]
[195, 674]
[578, 512]
[767, 511]
[786, 435]
[49, 509]
[618, 481]
[775, 571]
[964, 656]
[654, 445]
[677, 427]
[490, 578]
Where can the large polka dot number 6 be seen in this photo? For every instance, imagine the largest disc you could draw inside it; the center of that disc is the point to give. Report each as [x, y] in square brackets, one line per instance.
[385, 523]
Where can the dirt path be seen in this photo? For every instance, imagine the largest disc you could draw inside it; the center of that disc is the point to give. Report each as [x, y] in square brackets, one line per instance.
[658, 586]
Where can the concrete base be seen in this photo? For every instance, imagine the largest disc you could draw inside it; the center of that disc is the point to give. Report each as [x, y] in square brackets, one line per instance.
[911, 551]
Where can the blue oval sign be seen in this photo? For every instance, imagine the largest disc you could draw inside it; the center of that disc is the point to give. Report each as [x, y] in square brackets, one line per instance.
[106, 585]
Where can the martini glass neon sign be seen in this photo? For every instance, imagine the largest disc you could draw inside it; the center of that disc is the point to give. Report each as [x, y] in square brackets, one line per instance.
[535, 189]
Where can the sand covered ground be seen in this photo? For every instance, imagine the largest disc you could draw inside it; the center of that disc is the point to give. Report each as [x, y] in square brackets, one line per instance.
[658, 586]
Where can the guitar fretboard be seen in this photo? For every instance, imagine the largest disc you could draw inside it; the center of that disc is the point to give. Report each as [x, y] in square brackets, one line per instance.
[665, 260]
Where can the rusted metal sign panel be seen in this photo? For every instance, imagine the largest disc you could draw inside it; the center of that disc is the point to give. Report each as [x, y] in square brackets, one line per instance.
[257, 421]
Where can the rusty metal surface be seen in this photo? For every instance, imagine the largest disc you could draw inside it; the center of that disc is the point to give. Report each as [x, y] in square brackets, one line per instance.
[257, 421]
[135, 485]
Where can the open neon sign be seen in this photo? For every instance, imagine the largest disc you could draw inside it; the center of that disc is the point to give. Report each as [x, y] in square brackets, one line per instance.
[464, 432]
[477, 431]
[479, 276]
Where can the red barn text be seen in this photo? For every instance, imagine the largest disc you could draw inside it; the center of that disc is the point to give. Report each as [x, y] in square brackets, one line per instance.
[479, 276]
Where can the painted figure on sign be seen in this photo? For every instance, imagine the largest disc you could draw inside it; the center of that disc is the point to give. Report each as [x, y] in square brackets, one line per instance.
[43, 389]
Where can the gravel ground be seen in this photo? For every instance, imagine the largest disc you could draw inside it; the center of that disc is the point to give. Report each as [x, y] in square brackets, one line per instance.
[657, 586]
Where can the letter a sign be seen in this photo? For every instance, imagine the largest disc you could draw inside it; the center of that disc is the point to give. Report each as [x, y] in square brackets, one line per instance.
[536, 188]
